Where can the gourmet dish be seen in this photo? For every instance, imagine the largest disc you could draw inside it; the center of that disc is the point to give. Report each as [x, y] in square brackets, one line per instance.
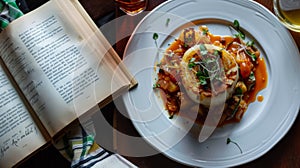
[200, 71]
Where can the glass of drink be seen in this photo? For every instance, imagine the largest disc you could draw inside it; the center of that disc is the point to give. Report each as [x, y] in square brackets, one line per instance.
[288, 12]
[132, 7]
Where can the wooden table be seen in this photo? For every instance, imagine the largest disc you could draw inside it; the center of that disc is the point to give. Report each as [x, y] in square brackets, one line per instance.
[285, 154]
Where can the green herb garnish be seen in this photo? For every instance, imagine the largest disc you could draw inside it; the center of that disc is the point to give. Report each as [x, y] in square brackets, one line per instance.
[252, 55]
[216, 53]
[250, 43]
[204, 32]
[191, 65]
[202, 75]
[230, 141]
[202, 80]
[156, 86]
[240, 34]
[209, 67]
[236, 24]
[155, 37]
[168, 21]
[252, 77]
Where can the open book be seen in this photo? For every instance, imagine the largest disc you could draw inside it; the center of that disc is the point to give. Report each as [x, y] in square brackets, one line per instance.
[55, 66]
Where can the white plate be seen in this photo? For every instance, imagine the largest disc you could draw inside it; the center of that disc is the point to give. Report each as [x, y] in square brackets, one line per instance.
[264, 123]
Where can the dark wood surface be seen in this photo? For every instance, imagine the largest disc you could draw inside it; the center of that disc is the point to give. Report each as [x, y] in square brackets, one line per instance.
[286, 153]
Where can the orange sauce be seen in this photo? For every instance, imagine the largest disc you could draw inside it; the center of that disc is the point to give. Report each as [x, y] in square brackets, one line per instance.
[261, 80]
[260, 98]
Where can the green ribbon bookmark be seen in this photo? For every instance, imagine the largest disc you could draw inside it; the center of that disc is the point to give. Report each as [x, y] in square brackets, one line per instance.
[9, 11]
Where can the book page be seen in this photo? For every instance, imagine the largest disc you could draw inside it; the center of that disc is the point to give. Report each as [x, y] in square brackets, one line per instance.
[59, 70]
[113, 58]
[19, 135]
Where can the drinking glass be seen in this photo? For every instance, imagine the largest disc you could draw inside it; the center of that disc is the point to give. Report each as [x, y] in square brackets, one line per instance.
[288, 12]
[132, 7]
